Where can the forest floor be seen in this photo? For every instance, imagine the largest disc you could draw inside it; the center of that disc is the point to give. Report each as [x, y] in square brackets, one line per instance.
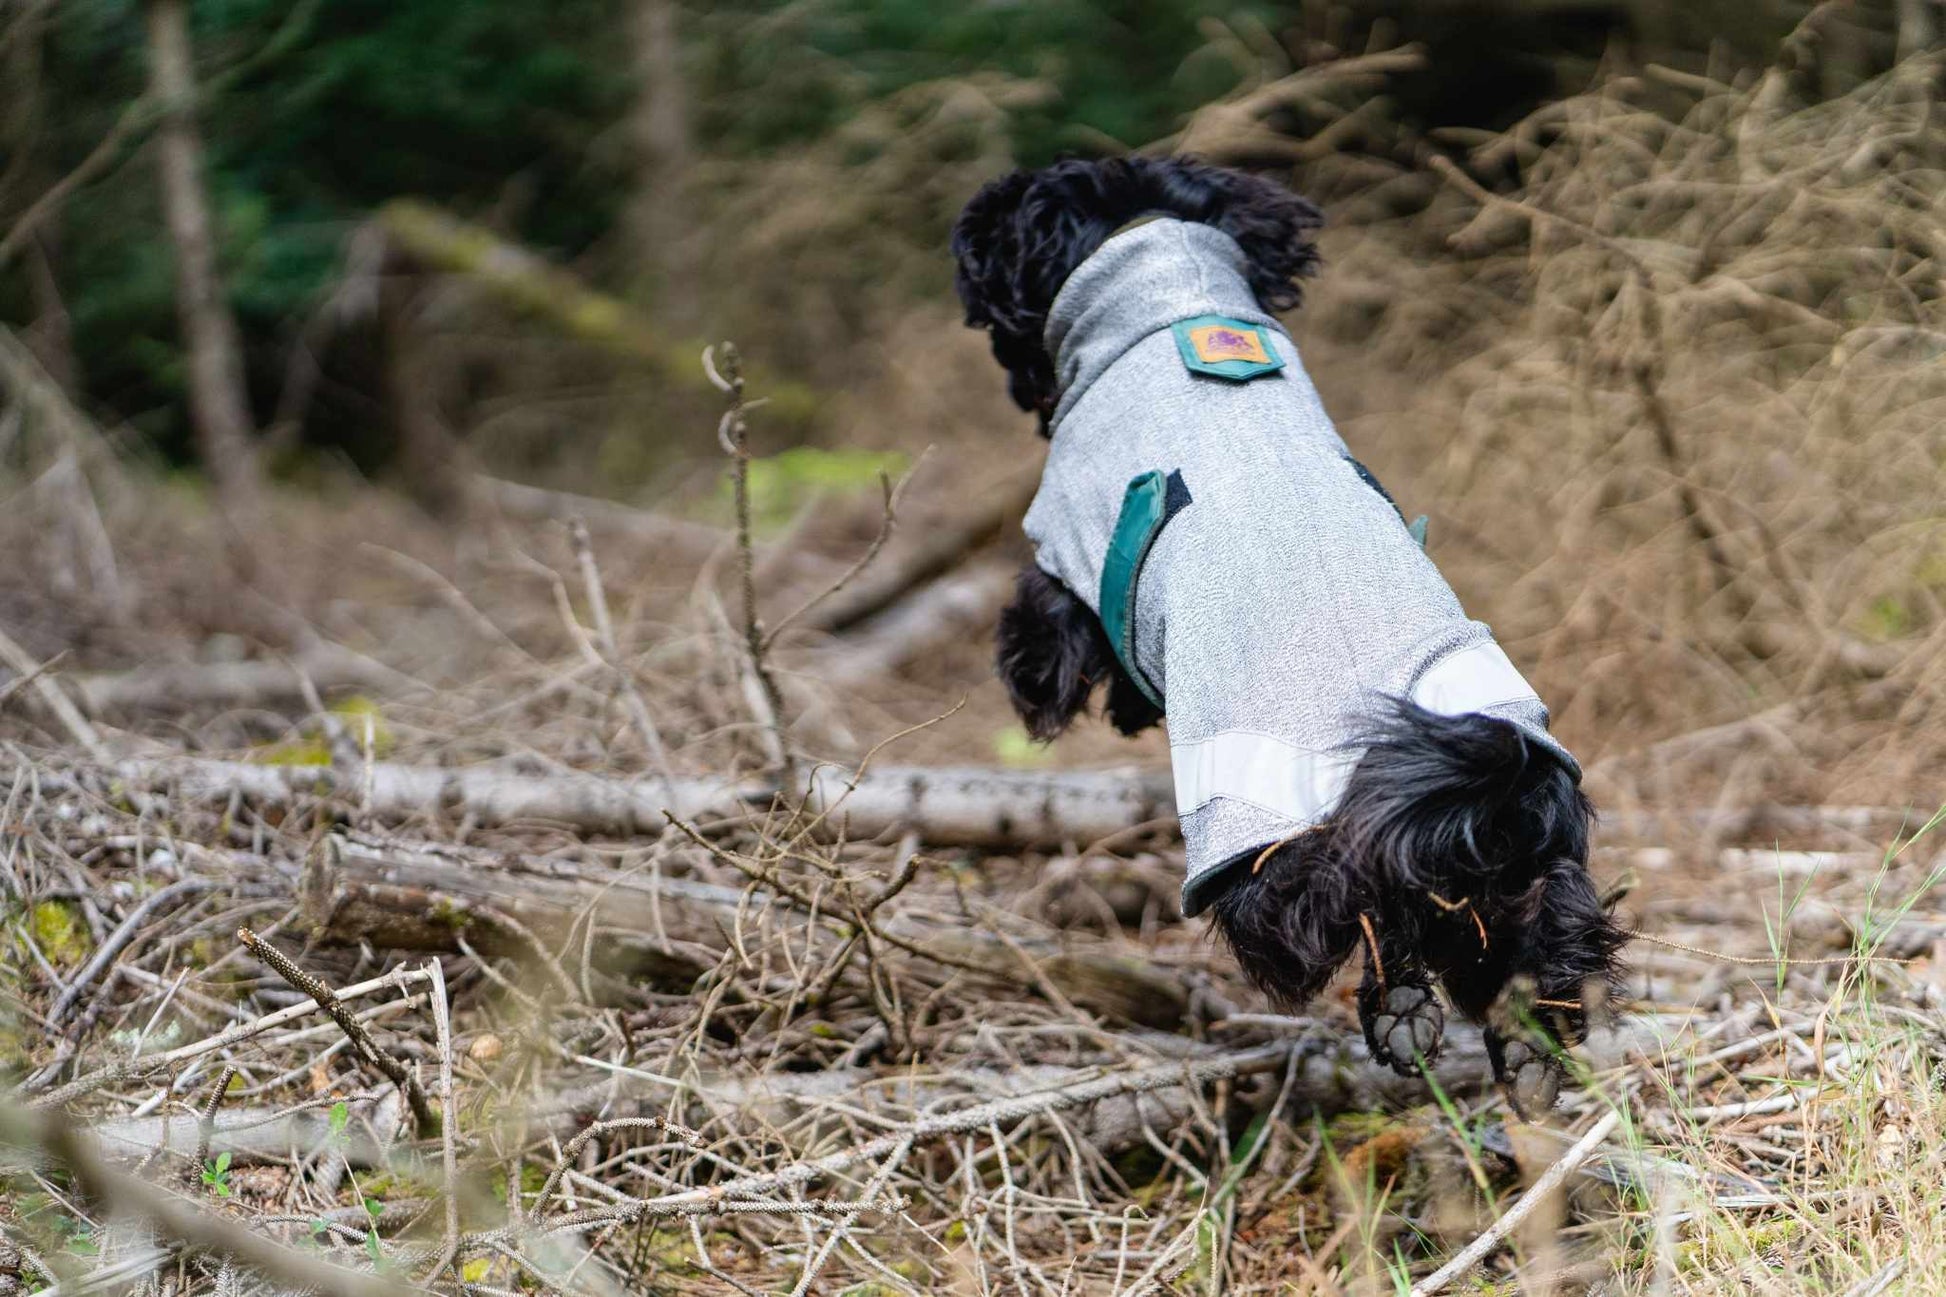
[889, 1040]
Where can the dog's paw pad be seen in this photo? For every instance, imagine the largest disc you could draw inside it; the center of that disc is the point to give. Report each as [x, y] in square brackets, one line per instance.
[1531, 1076]
[1407, 1028]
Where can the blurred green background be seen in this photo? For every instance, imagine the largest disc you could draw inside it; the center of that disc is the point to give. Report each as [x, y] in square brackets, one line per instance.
[657, 148]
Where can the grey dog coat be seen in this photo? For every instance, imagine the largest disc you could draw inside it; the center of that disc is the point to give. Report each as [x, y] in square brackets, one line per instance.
[1254, 580]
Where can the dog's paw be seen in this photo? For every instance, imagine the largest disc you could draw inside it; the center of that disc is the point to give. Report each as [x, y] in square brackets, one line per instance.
[1402, 1025]
[1529, 1071]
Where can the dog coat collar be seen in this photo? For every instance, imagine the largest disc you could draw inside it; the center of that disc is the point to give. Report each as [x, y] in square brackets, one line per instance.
[1144, 281]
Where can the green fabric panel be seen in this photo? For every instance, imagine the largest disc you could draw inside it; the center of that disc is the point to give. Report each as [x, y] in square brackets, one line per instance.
[1144, 505]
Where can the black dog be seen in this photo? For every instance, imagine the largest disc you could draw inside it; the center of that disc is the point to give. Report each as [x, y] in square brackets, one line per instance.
[1451, 843]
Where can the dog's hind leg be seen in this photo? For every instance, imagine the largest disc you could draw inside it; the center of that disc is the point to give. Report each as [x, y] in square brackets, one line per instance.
[1291, 916]
[1564, 971]
[1401, 1018]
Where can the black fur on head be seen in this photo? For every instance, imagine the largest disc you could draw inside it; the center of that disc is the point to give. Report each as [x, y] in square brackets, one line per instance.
[1053, 654]
[1022, 235]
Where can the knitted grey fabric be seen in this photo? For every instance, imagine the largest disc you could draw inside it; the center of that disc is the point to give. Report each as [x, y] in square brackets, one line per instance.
[1276, 609]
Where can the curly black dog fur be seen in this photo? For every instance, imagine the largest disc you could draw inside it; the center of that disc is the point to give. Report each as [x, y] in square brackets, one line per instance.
[1458, 854]
[1053, 654]
[1022, 235]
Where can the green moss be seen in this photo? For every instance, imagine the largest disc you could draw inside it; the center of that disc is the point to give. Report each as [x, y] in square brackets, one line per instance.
[384, 1185]
[781, 484]
[1015, 748]
[1888, 618]
[355, 714]
[533, 1178]
[60, 932]
[359, 711]
[1765, 1241]
[294, 752]
[1349, 1129]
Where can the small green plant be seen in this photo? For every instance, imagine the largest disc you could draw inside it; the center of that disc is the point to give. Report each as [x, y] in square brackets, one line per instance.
[216, 1174]
[1017, 750]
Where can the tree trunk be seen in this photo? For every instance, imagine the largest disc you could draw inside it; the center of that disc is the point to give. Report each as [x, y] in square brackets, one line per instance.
[218, 401]
[430, 461]
[661, 135]
[1919, 22]
[52, 335]
[24, 180]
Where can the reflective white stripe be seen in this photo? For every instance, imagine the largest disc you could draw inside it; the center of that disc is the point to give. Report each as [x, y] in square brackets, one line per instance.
[1262, 770]
[1469, 680]
[1303, 785]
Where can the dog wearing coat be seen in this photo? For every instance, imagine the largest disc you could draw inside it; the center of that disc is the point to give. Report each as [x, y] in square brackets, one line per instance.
[1358, 766]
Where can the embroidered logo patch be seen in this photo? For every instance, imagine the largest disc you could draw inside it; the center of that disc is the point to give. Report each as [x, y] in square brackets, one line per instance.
[1226, 348]
[1219, 342]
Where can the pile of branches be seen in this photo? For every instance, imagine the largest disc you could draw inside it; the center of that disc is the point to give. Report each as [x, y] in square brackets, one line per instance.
[293, 1042]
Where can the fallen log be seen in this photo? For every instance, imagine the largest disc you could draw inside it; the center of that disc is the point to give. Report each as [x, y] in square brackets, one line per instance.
[945, 805]
[1330, 1074]
[539, 504]
[428, 897]
[193, 686]
[529, 283]
[944, 612]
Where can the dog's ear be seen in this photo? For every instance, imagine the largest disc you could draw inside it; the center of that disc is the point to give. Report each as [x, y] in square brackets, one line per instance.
[1000, 283]
[1052, 653]
[986, 249]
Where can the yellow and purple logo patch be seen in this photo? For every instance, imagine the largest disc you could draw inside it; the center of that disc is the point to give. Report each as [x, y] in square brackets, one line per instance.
[1225, 348]
[1220, 342]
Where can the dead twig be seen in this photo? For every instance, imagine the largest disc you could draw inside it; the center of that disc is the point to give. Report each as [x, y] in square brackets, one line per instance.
[1542, 1189]
[57, 701]
[638, 709]
[361, 1039]
[733, 431]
